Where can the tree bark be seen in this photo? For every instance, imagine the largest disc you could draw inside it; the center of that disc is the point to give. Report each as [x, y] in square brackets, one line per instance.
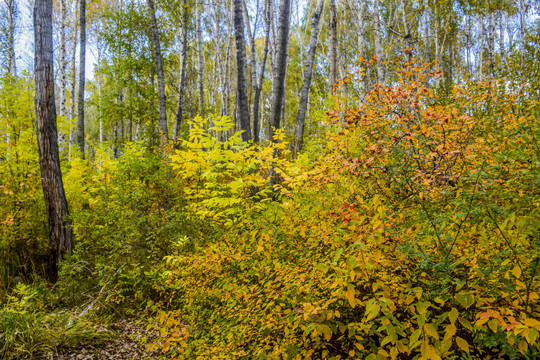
[304, 94]
[333, 46]
[63, 69]
[11, 12]
[278, 86]
[406, 31]
[200, 63]
[180, 110]
[502, 27]
[159, 70]
[73, 89]
[377, 36]
[82, 79]
[60, 232]
[258, 89]
[491, 41]
[243, 104]
[426, 31]
[252, 61]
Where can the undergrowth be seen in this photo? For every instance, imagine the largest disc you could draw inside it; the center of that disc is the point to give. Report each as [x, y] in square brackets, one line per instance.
[407, 230]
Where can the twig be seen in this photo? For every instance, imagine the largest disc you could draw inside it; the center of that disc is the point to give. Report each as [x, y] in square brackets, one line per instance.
[89, 307]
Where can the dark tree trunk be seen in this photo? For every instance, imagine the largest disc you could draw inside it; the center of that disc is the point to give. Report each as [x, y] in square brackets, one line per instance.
[243, 104]
[278, 86]
[60, 232]
[406, 31]
[82, 62]
[159, 71]
[180, 111]
[304, 94]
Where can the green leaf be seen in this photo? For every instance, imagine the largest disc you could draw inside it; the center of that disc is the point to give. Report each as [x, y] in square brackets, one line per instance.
[452, 315]
[466, 300]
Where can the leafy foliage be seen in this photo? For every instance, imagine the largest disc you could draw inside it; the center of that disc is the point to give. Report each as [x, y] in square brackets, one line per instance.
[407, 229]
[412, 235]
[23, 225]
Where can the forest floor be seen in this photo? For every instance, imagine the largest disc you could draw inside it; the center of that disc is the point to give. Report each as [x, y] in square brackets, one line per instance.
[127, 346]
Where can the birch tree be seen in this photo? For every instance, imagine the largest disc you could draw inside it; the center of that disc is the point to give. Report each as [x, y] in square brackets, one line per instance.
[304, 94]
[10, 13]
[333, 46]
[200, 62]
[82, 79]
[183, 68]
[159, 70]
[258, 88]
[377, 41]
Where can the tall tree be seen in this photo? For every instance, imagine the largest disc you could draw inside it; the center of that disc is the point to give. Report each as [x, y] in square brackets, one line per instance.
[183, 67]
[200, 62]
[159, 70]
[377, 38]
[9, 12]
[63, 68]
[243, 104]
[82, 78]
[73, 88]
[406, 30]
[333, 45]
[60, 232]
[278, 86]
[259, 86]
[304, 94]
[426, 31]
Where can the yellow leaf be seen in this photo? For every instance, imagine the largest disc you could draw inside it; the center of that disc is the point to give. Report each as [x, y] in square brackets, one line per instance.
[531, 322]
[372, 310]
[462, 344]
[466, 324]
[431, 331]
[516, 271]
[493, 325]
[531, 336]
[349, 294]
[414, 338]
[428, 351]
[450, 331]
[452, 315]
[166, 346]
[325, 329]
[466, 300]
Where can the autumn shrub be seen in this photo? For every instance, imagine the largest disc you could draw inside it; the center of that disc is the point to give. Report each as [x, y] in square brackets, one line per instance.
[413, 234]
[126, 215]
[23, 225]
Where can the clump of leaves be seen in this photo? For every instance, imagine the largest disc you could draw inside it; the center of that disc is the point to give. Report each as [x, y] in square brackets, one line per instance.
[413, 235]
